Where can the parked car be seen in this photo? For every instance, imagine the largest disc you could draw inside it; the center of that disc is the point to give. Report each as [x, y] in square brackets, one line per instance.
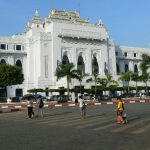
[60, 98]
[15, 99]
[104, 98]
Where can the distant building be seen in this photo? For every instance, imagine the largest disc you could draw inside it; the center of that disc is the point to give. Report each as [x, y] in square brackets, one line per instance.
[60, 38]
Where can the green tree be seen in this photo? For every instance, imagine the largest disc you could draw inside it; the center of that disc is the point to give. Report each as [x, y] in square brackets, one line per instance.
[126, 76]
[145, 78]
[96, 79]
[107, 81]
[145, 63]
[66, 70]
[10, 75]
[136, 77]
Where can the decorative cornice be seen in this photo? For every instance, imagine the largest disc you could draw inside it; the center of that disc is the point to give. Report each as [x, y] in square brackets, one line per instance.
[63, 15]
[81, 35]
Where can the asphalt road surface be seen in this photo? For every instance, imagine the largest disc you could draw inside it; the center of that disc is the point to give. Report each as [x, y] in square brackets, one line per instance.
[62, 129]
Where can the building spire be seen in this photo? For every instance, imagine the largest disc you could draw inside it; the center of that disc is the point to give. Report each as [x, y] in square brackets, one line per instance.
[100, 22]
[37, 13]
[36, 18]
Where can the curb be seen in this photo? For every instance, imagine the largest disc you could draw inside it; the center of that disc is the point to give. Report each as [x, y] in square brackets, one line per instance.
[18, 107]
[7, 110]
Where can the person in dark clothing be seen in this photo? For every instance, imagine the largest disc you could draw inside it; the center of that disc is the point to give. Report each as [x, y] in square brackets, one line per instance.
[30, 108]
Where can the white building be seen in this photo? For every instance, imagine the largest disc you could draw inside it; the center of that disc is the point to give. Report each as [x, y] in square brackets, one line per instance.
[61, 37]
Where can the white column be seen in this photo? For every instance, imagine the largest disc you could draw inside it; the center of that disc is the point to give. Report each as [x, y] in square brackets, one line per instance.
[88, 65]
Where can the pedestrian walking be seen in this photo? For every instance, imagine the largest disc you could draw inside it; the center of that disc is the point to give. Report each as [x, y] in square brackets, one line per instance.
[120, 110]
[40, 104]
[82, 106]
[30, 108]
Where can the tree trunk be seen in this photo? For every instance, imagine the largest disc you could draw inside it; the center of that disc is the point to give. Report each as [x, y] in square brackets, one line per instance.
[136, 87]
[80, 88]
[146, 88]
[95, 89]
[128, 87]
[67, 86]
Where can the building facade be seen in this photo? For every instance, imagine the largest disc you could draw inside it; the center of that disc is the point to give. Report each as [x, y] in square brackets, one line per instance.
[60, 38]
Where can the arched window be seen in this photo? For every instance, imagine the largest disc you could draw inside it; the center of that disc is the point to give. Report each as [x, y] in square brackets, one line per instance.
[118, 69]
[126, 68]
[80, 64]
[65, 60]
[18, 63]
[95, 67]
[135, 69]
[3, 61]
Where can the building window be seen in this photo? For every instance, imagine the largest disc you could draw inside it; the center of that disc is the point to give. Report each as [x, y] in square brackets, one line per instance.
[118, 69]
[18, 47]
[135, 54]
[18, 63]
[126, 69]
[3, 46]
[19, 92]
[125, 54]
[135, 69]
[116, 53]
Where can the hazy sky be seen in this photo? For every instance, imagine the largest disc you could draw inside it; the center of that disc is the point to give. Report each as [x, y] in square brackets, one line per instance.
[128, 21]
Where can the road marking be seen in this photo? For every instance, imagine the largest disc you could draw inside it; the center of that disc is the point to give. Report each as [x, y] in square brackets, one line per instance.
[82, 121]
[57, 120]
[142, 129]
[105, 126]
[94, 123]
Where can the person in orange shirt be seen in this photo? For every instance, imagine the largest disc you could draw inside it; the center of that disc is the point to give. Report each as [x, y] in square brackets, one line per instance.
[120, 109]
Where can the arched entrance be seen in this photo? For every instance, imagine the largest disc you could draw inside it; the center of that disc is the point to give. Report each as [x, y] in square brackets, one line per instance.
[135, 69]
[118, 69]
[65, 60]
[80, 64]
[18, 63]
[3, 61]
[95, 67]
[126, 69]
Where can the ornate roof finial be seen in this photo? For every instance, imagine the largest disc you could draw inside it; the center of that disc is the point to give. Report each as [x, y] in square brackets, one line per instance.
[37, 13]
[100, 22]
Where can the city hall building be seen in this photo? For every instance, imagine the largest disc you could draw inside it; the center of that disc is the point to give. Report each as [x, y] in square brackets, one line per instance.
[60, 38]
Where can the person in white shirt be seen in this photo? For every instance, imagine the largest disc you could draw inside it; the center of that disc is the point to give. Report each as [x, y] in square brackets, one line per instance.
[82, 107]
[9, 100]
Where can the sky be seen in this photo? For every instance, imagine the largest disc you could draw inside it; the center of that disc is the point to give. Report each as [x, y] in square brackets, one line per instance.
[127, 21]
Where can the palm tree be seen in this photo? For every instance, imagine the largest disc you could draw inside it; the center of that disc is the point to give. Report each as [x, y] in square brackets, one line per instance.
[80, 77]
[107, 81]
[66, 70]
[136, 77]
[95, 78]
[145, 63]
[145, 77]
[126, 76]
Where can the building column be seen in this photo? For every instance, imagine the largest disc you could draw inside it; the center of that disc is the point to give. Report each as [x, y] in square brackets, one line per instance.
[88, 64]
[131, 66]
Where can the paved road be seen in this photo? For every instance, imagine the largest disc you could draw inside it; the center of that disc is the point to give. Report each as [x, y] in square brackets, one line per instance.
[62, 129]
